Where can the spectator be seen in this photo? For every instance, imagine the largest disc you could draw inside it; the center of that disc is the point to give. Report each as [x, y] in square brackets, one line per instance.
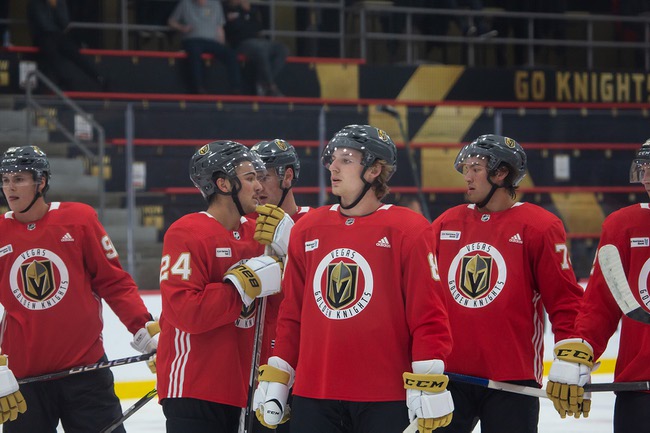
[57, 266]
[201, 25]
[266, 57]
[48, 22]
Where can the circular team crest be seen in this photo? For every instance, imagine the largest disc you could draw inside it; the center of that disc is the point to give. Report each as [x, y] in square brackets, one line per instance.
[476, 275]
[39, 279]
[343, 284]
[643, 284]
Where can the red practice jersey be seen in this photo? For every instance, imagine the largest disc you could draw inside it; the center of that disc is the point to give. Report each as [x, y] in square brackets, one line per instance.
[501, 269]
[206, 338]
[629, 230]
[54, 272]
[273, 306]
[360, 304]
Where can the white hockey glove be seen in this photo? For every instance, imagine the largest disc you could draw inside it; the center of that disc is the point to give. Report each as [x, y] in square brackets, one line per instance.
[146, 341]
[11, 399]
[270, 398]
[258, 277]
[570, 372]
[273, 227]
[427, 397]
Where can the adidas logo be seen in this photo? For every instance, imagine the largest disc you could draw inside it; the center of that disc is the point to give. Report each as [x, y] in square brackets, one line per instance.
[67, 238]
[383, 242]
[516, 239]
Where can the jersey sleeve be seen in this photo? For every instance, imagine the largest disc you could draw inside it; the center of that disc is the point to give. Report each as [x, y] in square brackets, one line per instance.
[109, 280]
[554, 278]
[426, 310]
[192, 301]
[287, 343]
[600, 314]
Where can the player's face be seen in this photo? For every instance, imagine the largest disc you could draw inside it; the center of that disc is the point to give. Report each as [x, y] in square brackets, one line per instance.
[271, 192]
[475, 173]
[250, 186]
[645, 178]
[345, 173]
[19, 189]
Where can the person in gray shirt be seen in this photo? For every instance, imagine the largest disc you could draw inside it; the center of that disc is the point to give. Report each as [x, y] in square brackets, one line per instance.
[201, 24]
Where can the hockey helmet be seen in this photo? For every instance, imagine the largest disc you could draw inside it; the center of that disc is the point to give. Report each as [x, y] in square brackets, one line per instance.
[27, 158]
[640, 163]
[219, 157]
[278, 154]
[373, 143]
[495, 149]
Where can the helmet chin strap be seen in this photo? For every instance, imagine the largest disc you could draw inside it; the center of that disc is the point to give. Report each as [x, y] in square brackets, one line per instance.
[36, 197]
[233, 194]
[366, 188]
[488, 197]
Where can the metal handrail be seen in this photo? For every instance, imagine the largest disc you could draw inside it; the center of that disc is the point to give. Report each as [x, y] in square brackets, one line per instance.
[33, 104]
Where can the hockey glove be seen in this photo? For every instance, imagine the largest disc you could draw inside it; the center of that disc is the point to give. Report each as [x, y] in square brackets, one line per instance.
[427, 397]
[146, 341]
[570, 372]
[270, 398]
[258, 277]
[11, 399]
[273, 228]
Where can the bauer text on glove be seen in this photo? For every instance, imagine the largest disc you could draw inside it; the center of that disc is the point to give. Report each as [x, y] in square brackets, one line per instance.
[258, 277]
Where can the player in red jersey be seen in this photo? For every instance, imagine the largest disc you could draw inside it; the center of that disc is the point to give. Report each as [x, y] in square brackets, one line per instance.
[502, 262]
[628, 230]
[56, 265]
[208, 290]
[362, 307]
[282, 172]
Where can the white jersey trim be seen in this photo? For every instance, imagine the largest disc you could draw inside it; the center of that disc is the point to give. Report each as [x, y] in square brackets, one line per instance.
[538, 340]
[182, 349]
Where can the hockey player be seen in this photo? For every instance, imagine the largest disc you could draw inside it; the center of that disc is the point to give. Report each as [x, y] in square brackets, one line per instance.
[628, 230]
[208, 293]
[282, 172]
[363, 316]
[56, 265]
[502, 263]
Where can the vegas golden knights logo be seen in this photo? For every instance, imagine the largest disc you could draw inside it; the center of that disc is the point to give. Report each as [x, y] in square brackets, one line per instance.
[282, 145]
[475, 275]
[510, 142]
[38, 280]
[342, 284]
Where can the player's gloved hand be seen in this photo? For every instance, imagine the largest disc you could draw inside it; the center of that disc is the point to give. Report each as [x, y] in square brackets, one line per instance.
[273, 227]
[270, 398]
[146, 341]
[427, 397]
[570, 372]
[11, 399]
[258, 277]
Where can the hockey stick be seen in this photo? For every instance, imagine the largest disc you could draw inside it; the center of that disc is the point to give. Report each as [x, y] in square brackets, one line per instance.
[391, 111]
[612, 268]
[130, 411]
[86, 368]
[247, 426]
[535, 392]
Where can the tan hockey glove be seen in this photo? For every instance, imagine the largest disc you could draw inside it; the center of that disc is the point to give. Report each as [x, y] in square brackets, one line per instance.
[146, 341]
[258, 277]
[570, 372]
[11, 399]
[273, 228]
[427, 397]
[270, 398]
